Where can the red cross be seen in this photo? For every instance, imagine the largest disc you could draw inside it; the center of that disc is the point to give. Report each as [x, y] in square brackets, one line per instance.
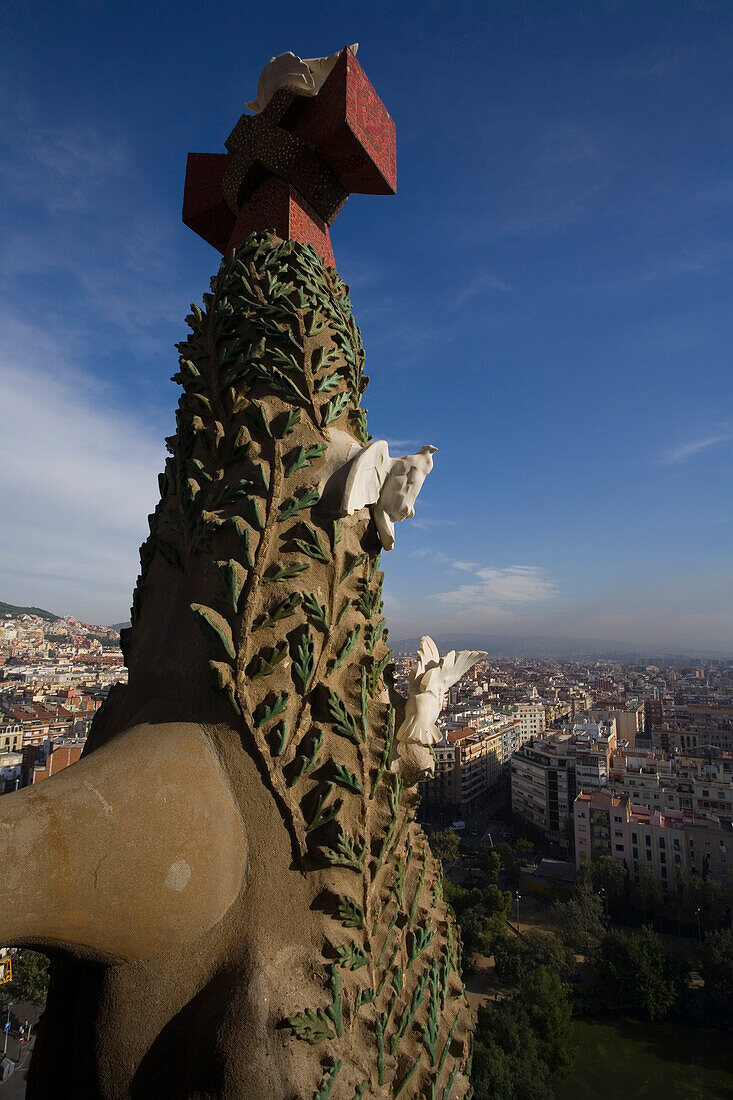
[293, 166]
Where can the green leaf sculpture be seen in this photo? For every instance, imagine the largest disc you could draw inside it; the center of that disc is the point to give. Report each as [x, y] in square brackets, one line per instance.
[304, 662]
[214, 627]
[341, 719]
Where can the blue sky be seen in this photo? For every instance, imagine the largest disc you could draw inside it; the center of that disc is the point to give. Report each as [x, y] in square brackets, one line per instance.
[547, 299]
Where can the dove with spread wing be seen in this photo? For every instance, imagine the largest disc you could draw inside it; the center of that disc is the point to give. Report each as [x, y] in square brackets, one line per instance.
[304, 75]
[388, 485]
[430, 678]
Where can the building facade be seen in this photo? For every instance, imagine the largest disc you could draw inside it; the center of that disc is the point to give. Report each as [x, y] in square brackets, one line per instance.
[469, 762]
[608, 824]
[547, 773]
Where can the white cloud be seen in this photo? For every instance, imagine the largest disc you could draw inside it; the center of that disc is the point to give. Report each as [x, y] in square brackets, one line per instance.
[482, 284]
[515, 584]
[688, 450]
[62, 168]
[79, 478]
[512, 585]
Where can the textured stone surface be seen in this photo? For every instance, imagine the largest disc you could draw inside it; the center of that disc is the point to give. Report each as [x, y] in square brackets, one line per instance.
[103, 881]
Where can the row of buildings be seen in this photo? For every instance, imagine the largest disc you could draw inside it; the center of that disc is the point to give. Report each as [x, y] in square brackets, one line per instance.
[635, 762]
[54, 675]
[647, 804]
[471, 760]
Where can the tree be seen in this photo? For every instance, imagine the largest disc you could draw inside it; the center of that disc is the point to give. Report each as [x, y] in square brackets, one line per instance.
[510, 961]
[610, 875]
[549, 951]
[545, 1002]
[717, 970]
[639, 973]
[459, 898]
[444, 845]
[507, 1061]
[497, 905]
[509, 862]
[517, 956]
[580, 917]
[496, 902]
[473, 925]
[489, 861]
[523, 850]
[30, 978]
[521, 1043]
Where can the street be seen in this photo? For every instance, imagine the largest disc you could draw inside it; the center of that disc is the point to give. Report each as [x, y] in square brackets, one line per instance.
[20, 1015]
[14, 1087]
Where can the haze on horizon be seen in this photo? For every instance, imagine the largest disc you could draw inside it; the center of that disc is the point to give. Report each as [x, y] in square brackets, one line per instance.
[546, 299]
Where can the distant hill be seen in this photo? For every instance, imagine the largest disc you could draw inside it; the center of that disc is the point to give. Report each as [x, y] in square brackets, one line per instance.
[121, 626]
[11, 610]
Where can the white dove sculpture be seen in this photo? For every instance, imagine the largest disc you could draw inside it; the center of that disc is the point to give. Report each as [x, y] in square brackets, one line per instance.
[429, 679]
[388, 485]
[304, 75]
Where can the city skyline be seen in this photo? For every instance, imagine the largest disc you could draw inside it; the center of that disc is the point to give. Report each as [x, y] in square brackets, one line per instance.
[544, 300]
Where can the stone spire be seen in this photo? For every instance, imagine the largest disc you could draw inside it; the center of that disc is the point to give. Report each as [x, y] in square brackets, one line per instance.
[254, 911]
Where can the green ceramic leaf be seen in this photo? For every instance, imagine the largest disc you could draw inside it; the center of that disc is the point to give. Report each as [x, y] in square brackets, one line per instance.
[334, 408]
[215, 627]
[265, 714]
[282, 610]
[342, 720]
[314, 610]
[282, 572]
[305, 661]
[265, 666]
[297, 504]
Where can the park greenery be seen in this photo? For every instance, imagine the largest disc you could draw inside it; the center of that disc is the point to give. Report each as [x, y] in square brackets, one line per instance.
[583, 967]
[716, 969]
[30, 978]
[636, 972]
[698, 903]
[521, 1043]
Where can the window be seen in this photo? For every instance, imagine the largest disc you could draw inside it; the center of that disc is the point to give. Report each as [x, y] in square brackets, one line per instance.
[648, 840]
[662, 857]
[678, 859]
[662, 842]
[664, 872]
[635, 853]
[649, 855]
[635, 838]
[619, 847]
[676, 844]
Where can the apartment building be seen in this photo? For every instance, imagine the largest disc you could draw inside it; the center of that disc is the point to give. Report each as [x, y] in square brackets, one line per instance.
[532, 720]
[698, 738]
[469, 762]
[543, 784]
[661, 781]
[547, 772]
[629, 723]
[608, 824]
[39, 723]
[11, 735]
